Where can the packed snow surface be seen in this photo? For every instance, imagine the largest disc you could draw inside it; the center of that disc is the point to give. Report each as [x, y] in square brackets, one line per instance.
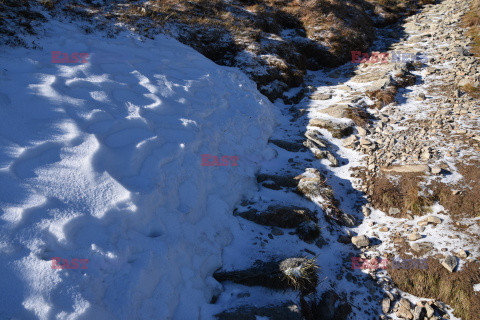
[102, 161]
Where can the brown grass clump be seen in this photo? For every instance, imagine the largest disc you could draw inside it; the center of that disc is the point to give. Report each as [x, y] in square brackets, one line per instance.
[471, 90]
[436, 282]
[467, 201]
[405, 195]
[472, 21]
[304, 277]
[383, 97]
[359, 116]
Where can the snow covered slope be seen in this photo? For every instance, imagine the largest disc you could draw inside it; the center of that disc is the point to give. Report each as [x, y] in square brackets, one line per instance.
[102, 161]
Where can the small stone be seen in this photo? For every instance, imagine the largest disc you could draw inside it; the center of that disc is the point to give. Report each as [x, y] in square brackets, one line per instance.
[320, 96]
[419, 313]
[414, 236]
[436, 170]
[361, 241]
[386, 305]
[404, 309]
[384, 229]
[430, 310]
[365, 142]
[366, 211]
[422, 223]
[361, 131]
[419, 246]
[407, 168]
[462, 254]
[393, 211]
[450, 263]
[434, 220]
[350, 141]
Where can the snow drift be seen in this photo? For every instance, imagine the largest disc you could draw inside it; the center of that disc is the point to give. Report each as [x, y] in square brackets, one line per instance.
[102, 161]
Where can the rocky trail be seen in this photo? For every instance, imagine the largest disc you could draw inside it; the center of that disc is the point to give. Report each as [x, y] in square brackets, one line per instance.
[368, 167]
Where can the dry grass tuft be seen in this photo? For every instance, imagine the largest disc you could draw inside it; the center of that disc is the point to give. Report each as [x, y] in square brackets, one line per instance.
[383, 97]
[303, 277]
[359, 116]
[471, 90]
[455, 289]
[406, 195]
[472, 21]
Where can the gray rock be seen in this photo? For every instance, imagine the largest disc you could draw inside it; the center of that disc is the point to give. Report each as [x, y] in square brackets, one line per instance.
[404, 309]
[366, 211]
[336, 110]
[436, 170]
[462, 254]
[361, 241]
[350, 141]
[316, 137]
[434, 220]
[430, 311]
[338, 129]
[450, 263]
[408, 168]
[361, 131]
[365, 142]
[394, 211]
[420, 246]
[380, 84]
[419, 313]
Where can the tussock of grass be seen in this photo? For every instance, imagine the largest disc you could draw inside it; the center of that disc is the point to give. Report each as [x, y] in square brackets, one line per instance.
[359, 116]
[405, 195]
[303, 277]
[436, 282]
[384, 97]
[472, 21]
[472, 90]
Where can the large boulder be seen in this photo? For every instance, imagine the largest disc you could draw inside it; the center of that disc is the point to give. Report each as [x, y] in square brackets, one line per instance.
[292, 273]
[338, 129]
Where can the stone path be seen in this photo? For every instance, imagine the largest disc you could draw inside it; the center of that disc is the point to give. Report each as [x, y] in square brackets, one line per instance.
[315, 198]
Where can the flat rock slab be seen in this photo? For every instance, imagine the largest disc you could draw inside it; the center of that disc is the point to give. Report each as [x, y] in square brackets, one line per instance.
[336, 111]
[337, 129]
[420, 246]
[407, 168]
[320, 96]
